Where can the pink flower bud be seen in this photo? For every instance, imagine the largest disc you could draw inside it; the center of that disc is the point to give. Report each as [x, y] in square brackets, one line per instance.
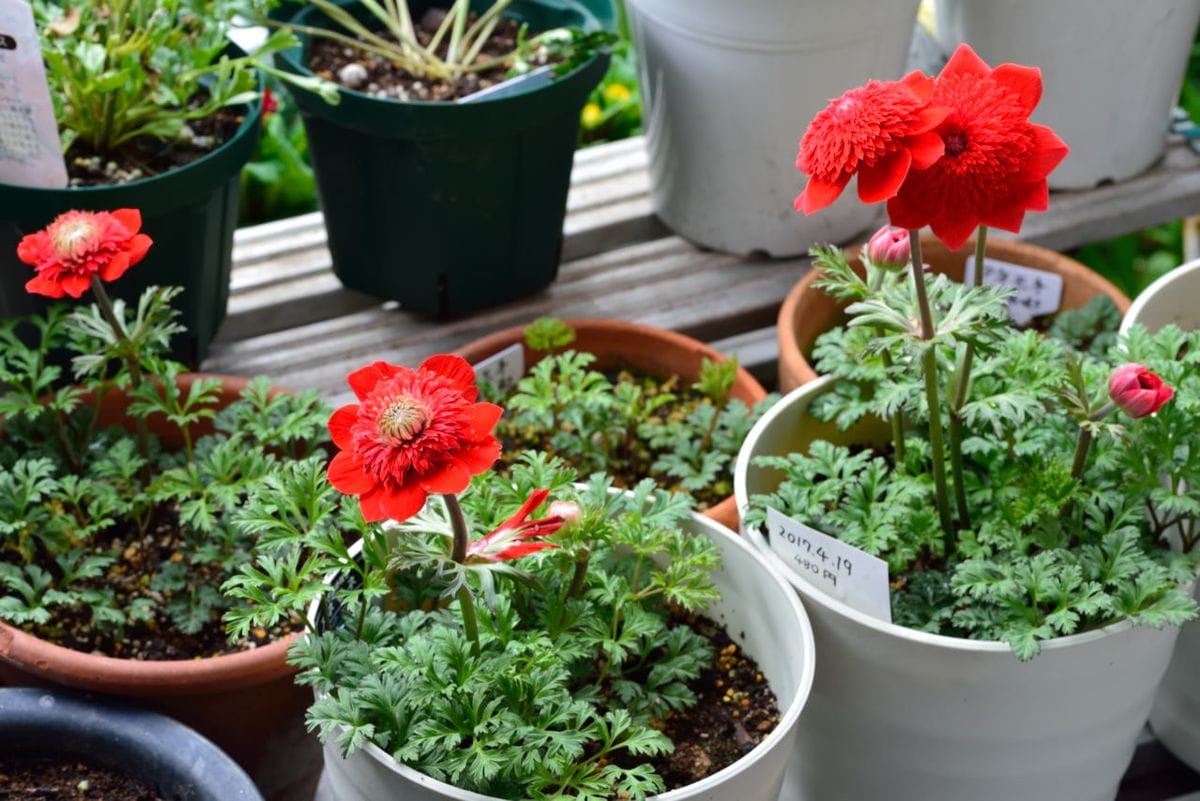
[1138, 391]
[888, 248]
[568, 511]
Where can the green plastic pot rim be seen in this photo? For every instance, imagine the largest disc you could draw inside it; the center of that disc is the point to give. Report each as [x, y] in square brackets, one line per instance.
[237, 150]
[293, 60]
[816, 595]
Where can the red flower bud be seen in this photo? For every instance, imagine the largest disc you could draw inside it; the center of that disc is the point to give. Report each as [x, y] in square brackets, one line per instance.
[1138, 391]
[889, 248]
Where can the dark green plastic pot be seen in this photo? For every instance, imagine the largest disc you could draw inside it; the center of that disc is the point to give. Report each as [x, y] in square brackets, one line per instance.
[448, 207]
[190, 213]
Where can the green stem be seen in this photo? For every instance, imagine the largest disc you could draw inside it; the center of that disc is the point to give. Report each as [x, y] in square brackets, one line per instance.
[129, 353]
[579, 576]
[1085, 440]
[958, 397]
[459, 554]
[929, 367]
[897, 421]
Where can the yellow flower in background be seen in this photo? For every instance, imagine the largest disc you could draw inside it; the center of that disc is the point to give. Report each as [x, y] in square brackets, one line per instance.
[616, 93]
[591, 115]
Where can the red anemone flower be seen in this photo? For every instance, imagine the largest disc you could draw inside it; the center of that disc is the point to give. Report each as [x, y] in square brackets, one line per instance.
[414, 432]
[518, 536]
[80, 244]
[1137, 390]
[996, 161]
[878, 131]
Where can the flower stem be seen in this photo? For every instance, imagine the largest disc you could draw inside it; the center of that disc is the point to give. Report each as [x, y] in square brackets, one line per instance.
[129, 353]
[459, 554]
[929, 365]
[1085, 440]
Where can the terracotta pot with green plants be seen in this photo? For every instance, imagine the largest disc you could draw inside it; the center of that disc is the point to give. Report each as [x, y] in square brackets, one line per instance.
[444, 170]
[627, 399]
[120, 480]
[157, 111]
[517, 635]
[974, 514]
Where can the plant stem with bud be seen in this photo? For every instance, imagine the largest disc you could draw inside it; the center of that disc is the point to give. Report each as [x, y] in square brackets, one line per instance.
[929, 365]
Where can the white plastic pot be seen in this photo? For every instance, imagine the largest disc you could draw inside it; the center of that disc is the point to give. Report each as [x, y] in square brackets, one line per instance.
[1111, 70]
[758, 610]
[1175, 716]
[908, 716]
[728, 90]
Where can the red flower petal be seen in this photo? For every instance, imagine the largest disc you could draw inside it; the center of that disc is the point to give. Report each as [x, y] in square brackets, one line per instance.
[926, 149]
[953, 230]
[484, 417]
[1025, 82]
[456, 368]
[39, 285]
[401, 503]
[819, 194]
[131, 219]
[347, 476]
[965, 61]
[115, 268]
[479, 458]
[1049, 151]
[879, 181]
[138, 247]
[364, 379]
[921, 85]
[340, 423]
[75, 284]
[452, 478]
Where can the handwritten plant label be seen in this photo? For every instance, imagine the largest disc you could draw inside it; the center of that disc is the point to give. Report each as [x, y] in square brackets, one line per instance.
[503, 369]
[29, 147]
[1038, 292]
[847, 573]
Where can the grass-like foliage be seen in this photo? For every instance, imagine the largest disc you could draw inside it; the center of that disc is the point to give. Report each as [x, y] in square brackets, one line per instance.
[685, 437]
[576, 660]
[83, 506]
[1062, 514]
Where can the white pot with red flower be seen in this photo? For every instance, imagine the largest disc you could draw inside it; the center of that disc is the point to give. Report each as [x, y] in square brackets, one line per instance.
[1112, 99]
[725, 86]
[1175, 716]
[473, 647]
[961, 504]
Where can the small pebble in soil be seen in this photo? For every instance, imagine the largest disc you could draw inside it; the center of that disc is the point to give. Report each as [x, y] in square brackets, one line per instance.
[353, 75]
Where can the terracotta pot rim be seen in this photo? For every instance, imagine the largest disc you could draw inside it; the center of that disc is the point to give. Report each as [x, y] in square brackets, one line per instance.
[157, 677]
[794, 366]
[746, 387]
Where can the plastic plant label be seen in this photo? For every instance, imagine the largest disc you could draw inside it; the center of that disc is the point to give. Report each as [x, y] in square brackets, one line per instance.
[849, 574]
[30, 154]
[1038, 292]
[503, 369]
[534, 79]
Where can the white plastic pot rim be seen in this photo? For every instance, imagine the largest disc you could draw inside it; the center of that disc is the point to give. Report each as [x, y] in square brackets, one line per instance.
[1160, 285]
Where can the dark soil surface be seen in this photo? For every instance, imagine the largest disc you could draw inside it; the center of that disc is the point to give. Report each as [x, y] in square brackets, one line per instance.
[630, 463]
[59, 780]
[735, 711]
[146, 157]
[141, 557]
[375, 75]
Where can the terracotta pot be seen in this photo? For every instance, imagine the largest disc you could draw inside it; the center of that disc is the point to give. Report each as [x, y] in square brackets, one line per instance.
[655, 351]
[245, 702]
[807, 312]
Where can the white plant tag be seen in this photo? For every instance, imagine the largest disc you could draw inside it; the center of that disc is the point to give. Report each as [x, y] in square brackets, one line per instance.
[1037, 291]
[503, 369]
[847, 573]
[29, 148]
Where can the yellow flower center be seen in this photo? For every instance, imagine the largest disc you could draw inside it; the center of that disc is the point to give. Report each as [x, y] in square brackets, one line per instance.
[404, 419]
[72, 237]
